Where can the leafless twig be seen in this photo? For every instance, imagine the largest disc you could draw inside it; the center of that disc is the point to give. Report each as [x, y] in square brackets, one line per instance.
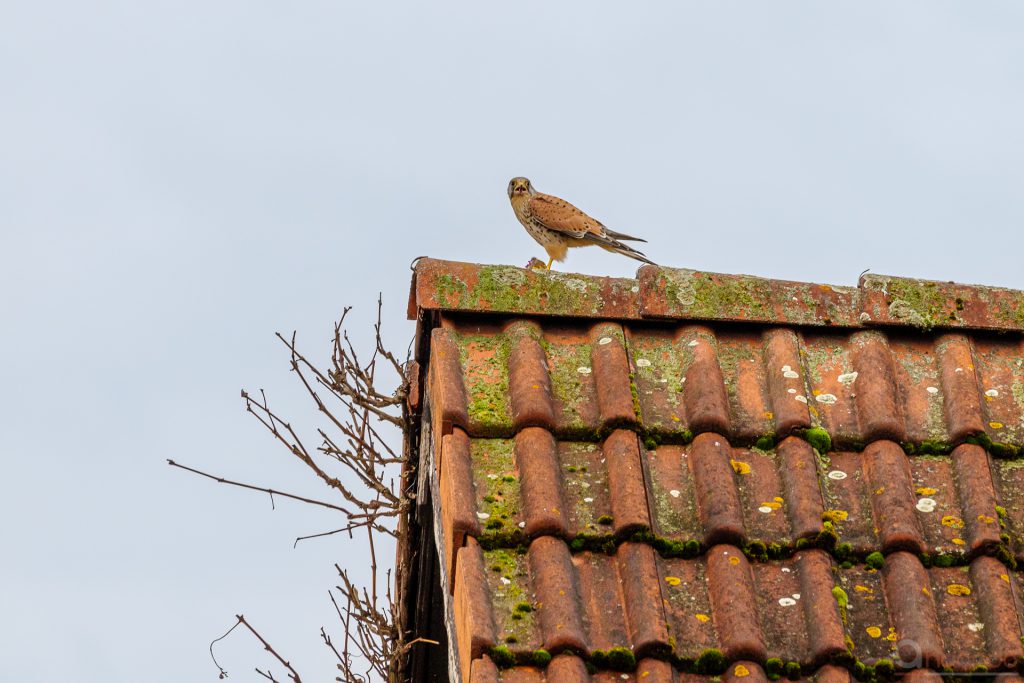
[241, 621]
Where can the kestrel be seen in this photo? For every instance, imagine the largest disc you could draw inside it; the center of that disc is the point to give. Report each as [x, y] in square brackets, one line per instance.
[557, 225]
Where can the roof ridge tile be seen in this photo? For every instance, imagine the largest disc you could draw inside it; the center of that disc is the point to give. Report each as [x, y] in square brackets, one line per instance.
[681, 293]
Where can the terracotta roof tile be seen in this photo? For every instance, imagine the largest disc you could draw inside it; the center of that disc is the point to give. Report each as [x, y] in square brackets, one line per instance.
[801, 609]
[928, 393]
[690, 474]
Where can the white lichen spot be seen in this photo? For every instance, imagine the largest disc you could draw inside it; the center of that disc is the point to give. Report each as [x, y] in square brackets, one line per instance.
[926, 504]
[483, 515]
[976, 626]
[643, 363]
[674, 493]
[492, 476]
[959, 370]
[604, 340]
[522, 525]
[848, 377]
[505, 581]
[801, 398]
[787, 602]
[864, 317]
[765, 509]
[584, 484]
[693, 343]
[785, 570]
[932, 390]
[789, 373]
[992, 393]
[796, 596]
[827, 399]
[574, 283]
[635, 288]
[838, 475]
[583, 370]
[791, 391]
[510, 276]
[588, 500]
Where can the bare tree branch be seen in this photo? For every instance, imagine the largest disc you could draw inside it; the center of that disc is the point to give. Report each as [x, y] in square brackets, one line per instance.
[362, 403]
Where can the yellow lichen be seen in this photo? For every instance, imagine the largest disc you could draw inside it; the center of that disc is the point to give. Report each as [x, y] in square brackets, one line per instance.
[958, 541]
[863, 589]
[953, 522]
[740, 466]
[995, 425]
[1005, 577]
[927, 491]
[985, 519]
[703, 618]
[734, 560]
[835, 515]
[673, 580]
[958, 589]
[740, 671]
[874, 631]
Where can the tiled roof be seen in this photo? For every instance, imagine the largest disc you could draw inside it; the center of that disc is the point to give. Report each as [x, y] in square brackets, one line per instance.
[686, 474]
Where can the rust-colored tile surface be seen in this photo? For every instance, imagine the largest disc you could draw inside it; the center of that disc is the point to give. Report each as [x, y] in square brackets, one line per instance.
[927, 393]
[692, 476]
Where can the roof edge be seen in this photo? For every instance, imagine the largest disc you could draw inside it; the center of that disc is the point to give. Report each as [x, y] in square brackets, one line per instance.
[659, 293]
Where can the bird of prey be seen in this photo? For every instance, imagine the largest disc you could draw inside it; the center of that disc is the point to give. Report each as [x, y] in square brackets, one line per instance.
[557, 225]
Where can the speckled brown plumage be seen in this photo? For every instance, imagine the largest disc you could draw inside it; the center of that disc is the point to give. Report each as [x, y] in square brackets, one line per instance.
[557, 225]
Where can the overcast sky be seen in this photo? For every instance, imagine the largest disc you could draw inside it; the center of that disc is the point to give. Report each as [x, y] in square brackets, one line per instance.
[179, 180]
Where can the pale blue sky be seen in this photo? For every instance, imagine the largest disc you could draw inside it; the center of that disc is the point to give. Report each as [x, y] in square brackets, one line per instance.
[179, 180]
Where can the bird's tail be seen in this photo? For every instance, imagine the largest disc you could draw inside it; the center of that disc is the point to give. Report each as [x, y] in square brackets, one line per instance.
[629, 251]
[623, 236]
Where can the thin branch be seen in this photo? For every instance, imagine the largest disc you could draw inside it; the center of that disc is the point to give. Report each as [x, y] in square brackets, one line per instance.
[272, 492]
